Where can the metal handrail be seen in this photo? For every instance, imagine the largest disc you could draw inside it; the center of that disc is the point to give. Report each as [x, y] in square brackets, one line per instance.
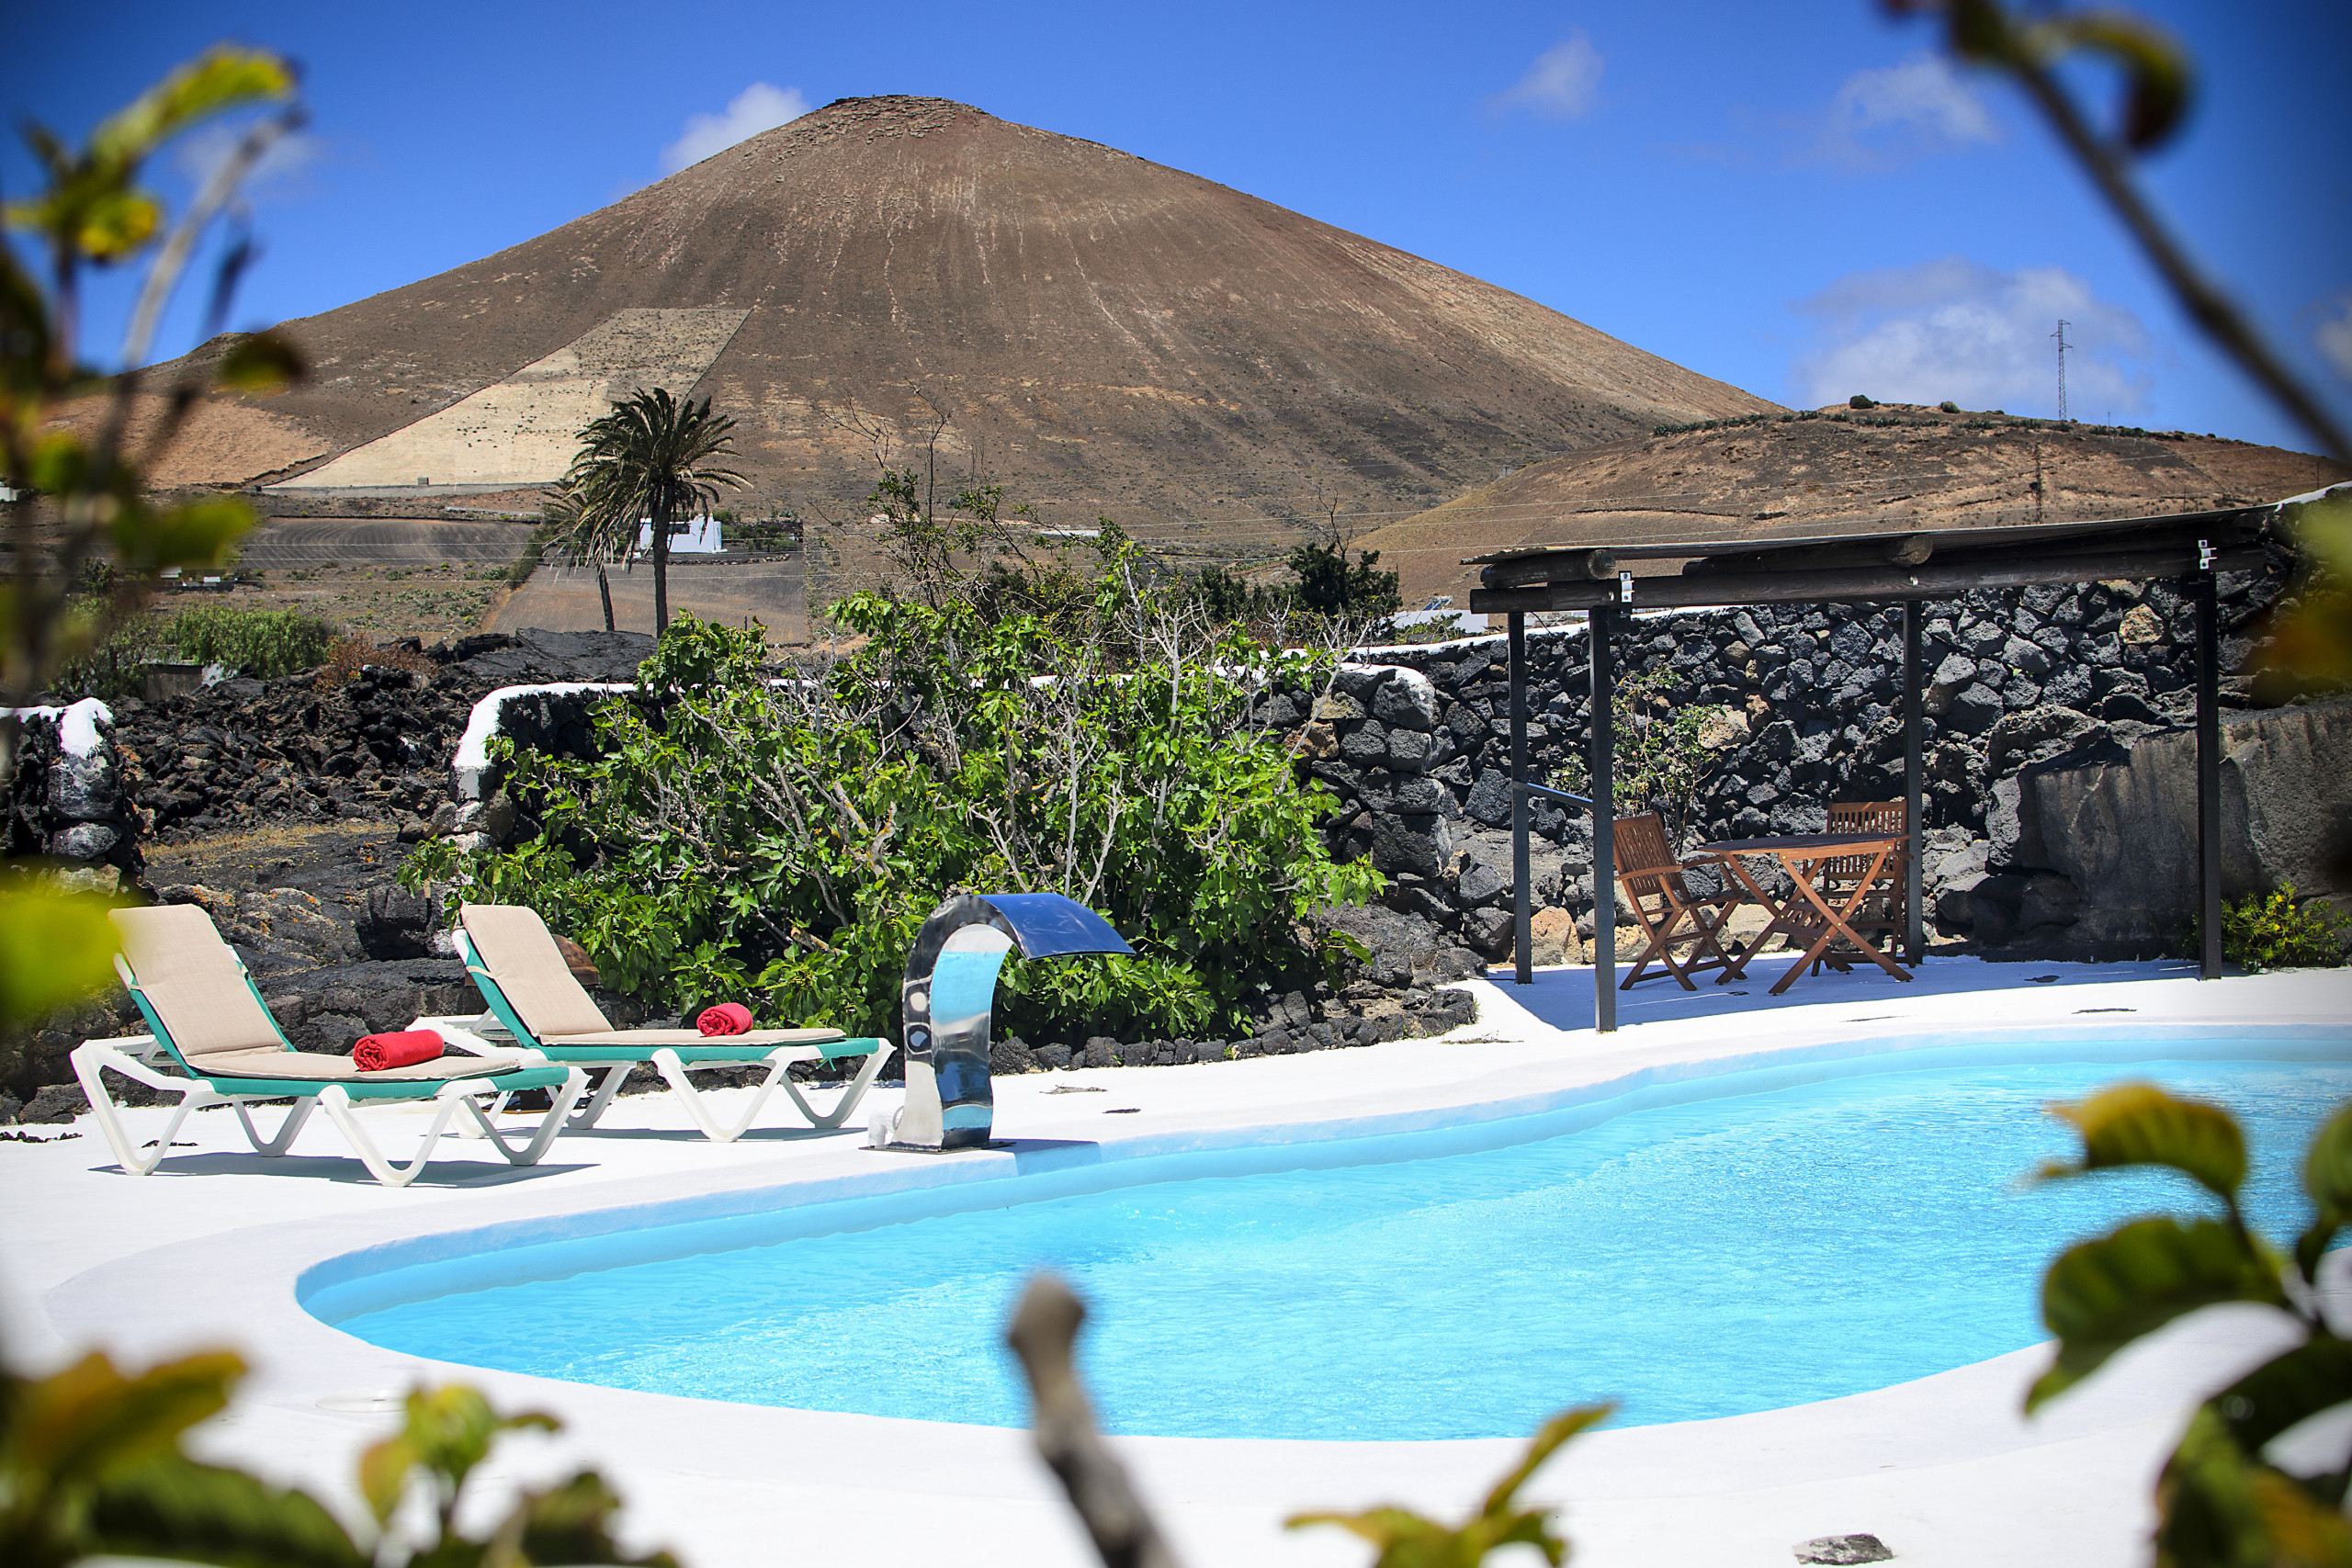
[1524, 787]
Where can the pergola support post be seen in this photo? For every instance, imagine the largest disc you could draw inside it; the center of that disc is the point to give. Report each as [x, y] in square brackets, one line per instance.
[1522, 894]
[1915, 944]
[1598, 636]
[2208, 776]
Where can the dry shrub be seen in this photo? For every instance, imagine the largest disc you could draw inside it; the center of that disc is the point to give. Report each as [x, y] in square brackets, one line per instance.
[350, 654]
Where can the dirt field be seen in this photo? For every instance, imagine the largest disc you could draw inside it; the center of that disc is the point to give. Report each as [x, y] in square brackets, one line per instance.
[564, 599]
[379, 602]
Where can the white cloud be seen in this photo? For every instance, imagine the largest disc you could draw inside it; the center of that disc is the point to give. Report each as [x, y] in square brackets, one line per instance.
[1563, 82]
[757, 107]
[280, 174]
[1953, 329]
[2335, 336]
[1920, 105]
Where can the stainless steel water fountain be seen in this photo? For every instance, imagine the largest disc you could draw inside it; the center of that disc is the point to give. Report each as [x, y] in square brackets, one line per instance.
[949, 993]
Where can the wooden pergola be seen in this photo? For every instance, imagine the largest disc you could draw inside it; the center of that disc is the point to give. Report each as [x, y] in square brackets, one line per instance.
[1909, 567]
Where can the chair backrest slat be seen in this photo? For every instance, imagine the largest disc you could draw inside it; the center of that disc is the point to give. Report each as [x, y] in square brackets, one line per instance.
[1886, 817]
[193, 983]
[1640, 844]
[514, 944]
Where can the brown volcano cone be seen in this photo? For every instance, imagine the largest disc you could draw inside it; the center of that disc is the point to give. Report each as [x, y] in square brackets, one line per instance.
[1103, 334]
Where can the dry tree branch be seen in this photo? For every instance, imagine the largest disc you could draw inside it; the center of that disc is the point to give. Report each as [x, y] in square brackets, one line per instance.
[2206, 304]
[1044, 1334]
[1985, 32]
[164, 276]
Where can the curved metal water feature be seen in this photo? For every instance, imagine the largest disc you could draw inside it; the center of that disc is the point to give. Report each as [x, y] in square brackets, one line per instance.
[948, 993]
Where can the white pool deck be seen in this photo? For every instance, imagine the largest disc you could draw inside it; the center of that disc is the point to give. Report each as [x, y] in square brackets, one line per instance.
[1945, 1469]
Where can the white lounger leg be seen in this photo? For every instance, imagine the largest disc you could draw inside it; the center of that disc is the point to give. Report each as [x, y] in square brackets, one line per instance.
[457, 1093]
[298, 1113]
[96, 1056]
[850, 1094]
[673, 1073]
[608, 1086]
[575, 1084]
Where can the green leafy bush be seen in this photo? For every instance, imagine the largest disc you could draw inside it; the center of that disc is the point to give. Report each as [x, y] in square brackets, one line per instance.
[2222, 1500]
[744, 835]
[1662, 756]
[93, 1463]
[262, 643]
[2272, 931]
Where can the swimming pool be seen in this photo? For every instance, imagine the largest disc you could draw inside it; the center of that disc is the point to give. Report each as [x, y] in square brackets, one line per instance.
[1756, 1240]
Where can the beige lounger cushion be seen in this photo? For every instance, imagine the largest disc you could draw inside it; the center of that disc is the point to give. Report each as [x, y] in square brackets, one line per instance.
[513, 944]
[197, 986]
[755, 1040]
[194, 982]
[317, 1067]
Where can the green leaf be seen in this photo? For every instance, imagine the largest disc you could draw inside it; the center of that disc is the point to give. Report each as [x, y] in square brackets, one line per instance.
[2328, 1177]
[384, 1470]
[2139, 1123]
[448, 1431]
[60, 464]
[572, 1524]
[2314, 1376]
[2102, 1294]
[2305, 1531]
[2207, 1516]
[1408, 1539]
[198, 534]
[176, 1508]
[223, 77]
[1980, 30]
[113, 224]
[1548, 1439]
[262, 362]
[55, 948]
[2156, 69]
[89, 1421]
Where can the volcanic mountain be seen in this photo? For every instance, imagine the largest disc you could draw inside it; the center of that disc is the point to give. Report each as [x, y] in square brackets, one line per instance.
[1832, 471]
[1100, 334]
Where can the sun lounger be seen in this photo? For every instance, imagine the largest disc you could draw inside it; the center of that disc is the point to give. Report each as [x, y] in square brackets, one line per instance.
[534, 998]
[210, 1024]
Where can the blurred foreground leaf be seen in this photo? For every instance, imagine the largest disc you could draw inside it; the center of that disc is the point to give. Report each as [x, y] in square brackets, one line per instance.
[2102, 1294]
[56, 948]
[2139, 1123]
[2220, 1502]
[1408, 1539]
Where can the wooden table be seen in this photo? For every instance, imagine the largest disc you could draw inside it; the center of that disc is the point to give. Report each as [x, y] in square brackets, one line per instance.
[1802, 855]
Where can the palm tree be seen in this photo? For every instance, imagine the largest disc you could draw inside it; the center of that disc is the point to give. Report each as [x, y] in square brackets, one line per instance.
[651, 457]
[590, 528]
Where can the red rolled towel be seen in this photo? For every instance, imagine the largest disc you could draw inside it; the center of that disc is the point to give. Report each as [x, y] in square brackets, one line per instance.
[399, 1048]
[726, 1018]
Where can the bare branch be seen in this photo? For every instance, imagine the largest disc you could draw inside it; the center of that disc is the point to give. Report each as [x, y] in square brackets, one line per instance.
[1044, 1334]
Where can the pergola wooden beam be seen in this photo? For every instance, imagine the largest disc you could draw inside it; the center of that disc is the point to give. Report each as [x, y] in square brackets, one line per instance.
[1934, 579]
[1908, 567]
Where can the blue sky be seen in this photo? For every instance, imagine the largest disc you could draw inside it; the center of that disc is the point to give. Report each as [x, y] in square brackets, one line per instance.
[1802, 200]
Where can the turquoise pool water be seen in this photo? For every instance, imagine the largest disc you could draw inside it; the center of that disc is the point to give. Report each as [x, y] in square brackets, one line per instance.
[1728, 1254]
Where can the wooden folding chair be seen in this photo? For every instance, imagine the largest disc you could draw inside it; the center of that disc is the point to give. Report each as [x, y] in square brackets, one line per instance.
[1881, 911]
[1669, 912]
